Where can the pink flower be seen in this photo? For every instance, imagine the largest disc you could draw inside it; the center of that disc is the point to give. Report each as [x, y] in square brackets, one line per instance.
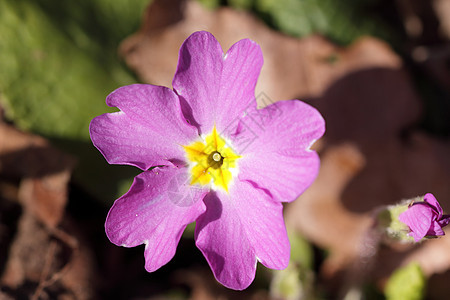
[209, 155]
[425, 218]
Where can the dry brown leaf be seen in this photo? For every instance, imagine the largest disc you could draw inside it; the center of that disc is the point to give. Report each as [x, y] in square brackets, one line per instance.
[43, 170]
[434, 61]
[425, 22]
[428, 25]
[292, 67]
[442, 10]
[432, 256]
[319, 214]
[41, 255]
[205, 287]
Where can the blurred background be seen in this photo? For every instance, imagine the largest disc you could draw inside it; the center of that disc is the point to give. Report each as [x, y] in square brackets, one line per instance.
[378, 71]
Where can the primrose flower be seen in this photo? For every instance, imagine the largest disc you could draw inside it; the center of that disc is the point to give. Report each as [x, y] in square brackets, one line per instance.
[425, 218]
[209, 155]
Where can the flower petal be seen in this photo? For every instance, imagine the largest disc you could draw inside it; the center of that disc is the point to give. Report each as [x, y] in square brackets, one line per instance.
[155, 212]
[274, 144]
[435, 230]
[429, 198]
[444, 221]
[148, 131]
[238, 229]
[418, 217]
[217, 88]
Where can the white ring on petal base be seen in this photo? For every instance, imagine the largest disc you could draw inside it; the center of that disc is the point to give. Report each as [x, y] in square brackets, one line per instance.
[180, 191]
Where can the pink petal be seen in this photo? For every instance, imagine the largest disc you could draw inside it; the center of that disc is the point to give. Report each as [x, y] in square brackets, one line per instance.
[274, 143]
[148, 131]
[217, 88]
[155, 212]
[418, 217]
[429, 198]
[238, 229]
[444, 221]
[435, 230]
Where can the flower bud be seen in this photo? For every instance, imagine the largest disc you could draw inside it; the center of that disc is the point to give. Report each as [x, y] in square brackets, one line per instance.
[425, 218]
[413, 219]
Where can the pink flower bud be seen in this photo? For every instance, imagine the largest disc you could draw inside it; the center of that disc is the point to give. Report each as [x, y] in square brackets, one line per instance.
[425, 218]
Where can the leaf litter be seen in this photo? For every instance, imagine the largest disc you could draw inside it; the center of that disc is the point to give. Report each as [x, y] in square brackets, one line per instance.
[373, 154]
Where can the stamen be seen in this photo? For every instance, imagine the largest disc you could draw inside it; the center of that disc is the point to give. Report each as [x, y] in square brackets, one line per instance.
[217, 156]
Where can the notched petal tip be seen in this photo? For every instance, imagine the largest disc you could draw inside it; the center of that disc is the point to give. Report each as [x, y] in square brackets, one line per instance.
[198, 43]
[249, 49]
[201, 34]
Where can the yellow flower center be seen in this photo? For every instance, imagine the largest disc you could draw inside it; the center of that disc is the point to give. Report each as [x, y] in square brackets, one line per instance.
[211, 161]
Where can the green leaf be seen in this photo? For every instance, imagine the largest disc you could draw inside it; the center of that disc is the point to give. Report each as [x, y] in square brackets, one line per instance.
[407, 283]
[342, 21]
[241, 4]
[296, 281]
[301, 251]
[58, 62]
[211, 4]
[286, 284]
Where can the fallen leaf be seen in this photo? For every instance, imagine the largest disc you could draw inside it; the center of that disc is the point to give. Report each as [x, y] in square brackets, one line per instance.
[43, 170]
[319, 213]
[42, 257]
[312, 65]
[442, 10]
[205, 287]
